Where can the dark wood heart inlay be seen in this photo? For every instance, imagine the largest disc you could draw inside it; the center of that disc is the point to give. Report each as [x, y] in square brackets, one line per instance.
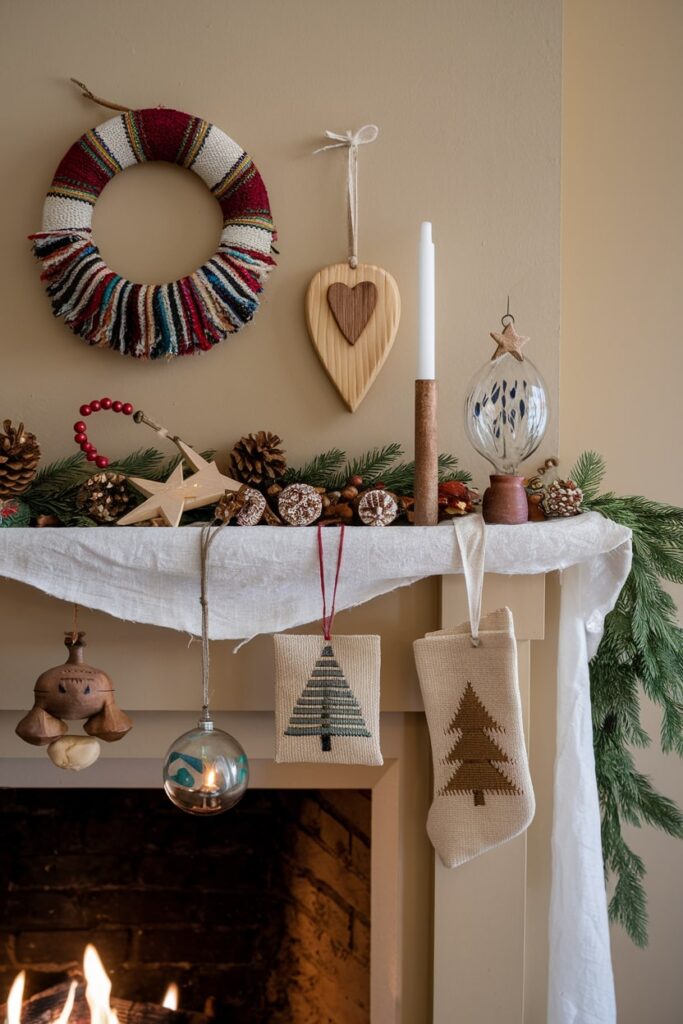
[352, 307]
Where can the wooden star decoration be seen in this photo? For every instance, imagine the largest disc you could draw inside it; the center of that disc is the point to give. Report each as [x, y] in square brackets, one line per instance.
[509, 341]
[177, 495]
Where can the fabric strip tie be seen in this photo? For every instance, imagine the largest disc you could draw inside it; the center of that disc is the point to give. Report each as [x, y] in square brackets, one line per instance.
[368, 133]
[470, 534]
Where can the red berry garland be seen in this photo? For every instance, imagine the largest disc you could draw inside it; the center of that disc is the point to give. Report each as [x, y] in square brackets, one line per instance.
[80, 430]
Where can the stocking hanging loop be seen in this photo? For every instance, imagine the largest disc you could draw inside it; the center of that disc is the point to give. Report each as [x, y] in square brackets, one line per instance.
[470, 535]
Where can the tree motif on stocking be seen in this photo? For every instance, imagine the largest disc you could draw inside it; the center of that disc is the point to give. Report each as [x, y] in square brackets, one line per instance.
[474, 752]
[327, 706]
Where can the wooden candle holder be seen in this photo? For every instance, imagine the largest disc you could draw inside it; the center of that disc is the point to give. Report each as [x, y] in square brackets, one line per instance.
[426, 455]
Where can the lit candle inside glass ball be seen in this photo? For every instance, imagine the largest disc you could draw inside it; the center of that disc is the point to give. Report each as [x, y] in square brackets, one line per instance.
[206, 771]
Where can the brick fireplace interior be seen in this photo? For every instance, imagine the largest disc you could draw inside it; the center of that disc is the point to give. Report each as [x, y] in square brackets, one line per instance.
[259, 914]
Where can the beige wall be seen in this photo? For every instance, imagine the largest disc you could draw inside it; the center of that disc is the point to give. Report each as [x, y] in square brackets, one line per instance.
[622, 357]
[467, 96]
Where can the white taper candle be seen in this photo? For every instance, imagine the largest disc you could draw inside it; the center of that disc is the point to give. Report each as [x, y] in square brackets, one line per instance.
[426, 345]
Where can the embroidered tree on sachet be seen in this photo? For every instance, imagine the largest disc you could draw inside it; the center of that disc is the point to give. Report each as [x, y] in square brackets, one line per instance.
[474, 752]
[327, 706]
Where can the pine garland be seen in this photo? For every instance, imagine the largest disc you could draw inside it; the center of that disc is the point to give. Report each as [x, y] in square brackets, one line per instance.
[642, 647]
[53, 492]
[54, 489]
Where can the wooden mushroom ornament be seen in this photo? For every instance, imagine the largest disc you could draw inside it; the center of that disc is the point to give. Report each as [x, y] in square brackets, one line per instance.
[73, 690]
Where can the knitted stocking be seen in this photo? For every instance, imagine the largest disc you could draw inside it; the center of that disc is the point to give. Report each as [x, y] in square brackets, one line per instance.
[468, 677]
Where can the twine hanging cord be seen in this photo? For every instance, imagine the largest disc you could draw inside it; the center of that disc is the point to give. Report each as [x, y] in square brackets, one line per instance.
[208, 535]
[98, 99]
[352, 140]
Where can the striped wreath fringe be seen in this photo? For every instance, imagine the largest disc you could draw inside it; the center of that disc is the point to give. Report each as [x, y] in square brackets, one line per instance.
[149, 321]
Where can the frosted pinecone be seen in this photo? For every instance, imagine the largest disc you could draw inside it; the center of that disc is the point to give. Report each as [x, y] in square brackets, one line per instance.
[562, 498]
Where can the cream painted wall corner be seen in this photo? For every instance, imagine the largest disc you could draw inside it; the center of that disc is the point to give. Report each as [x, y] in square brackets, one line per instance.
[622, 359]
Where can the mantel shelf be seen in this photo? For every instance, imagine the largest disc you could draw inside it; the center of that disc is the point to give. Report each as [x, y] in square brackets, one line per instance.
[266, 579]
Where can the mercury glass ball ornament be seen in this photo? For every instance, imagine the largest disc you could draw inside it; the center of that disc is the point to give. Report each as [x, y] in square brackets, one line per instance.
[506, 409]
[206, 771]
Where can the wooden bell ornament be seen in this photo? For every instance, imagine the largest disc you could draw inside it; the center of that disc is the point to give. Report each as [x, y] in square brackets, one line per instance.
[73, 690]
[352, 309]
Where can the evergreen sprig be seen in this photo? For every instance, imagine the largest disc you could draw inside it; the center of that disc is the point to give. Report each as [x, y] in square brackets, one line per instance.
[319, 471]
[371, 466]
[642, 649]
[401, 477]
[56, 478]
[145, 462]
[333, 469]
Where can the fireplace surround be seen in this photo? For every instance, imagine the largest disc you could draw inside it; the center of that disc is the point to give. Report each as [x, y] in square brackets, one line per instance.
[263, 914]
[419, 911]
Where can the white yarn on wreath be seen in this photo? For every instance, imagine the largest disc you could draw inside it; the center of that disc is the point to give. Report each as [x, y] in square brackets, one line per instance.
[185, 316]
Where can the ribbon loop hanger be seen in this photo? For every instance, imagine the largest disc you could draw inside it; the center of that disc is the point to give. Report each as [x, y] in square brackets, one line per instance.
[352, 140]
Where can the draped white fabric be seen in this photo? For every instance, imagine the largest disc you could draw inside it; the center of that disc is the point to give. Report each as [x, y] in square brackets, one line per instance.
[265, 579]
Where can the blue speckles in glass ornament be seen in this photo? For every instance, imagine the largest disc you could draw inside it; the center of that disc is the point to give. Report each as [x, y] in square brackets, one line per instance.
[182, 777]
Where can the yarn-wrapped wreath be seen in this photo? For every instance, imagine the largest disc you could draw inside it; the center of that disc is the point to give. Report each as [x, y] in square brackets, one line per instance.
[149, 321]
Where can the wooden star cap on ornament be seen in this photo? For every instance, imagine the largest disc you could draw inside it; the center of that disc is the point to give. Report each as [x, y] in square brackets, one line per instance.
[508, 340]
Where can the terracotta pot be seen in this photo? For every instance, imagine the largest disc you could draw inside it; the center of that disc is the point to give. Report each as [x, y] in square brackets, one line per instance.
[505, 501]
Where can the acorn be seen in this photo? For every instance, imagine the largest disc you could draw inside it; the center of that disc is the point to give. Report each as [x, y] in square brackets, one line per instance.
[342, 511]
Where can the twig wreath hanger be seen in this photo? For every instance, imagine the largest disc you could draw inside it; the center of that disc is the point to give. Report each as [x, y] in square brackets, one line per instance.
[352, 308]
[182, 317]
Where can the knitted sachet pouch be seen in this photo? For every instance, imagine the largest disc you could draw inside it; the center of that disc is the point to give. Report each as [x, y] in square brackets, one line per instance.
[327, 699]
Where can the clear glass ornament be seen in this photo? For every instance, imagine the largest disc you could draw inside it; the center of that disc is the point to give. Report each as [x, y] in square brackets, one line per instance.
[206, 771]
[506, 411]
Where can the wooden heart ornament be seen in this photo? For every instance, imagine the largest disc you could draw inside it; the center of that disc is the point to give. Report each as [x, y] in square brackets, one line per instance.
[352, 307]
[352, 317]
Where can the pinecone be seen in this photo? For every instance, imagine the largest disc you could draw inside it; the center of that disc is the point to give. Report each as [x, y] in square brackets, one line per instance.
[258, 459]
[562, 498]
[246, 507]
[19, 457]
[105, 497]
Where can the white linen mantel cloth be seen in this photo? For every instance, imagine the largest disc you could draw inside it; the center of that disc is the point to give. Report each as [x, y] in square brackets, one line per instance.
[266, 579]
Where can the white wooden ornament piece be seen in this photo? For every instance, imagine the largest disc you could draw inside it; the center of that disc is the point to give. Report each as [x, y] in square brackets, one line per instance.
[352, 366]
[170, 499]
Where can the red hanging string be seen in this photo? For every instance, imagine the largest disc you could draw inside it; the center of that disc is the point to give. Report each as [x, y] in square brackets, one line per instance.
[329, 619]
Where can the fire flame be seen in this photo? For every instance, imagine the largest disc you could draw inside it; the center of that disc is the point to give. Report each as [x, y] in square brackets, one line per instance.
[171, 998]
[97, 993]
[210, 778]
[16, 994]
[68, 1005]
[97, 988]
